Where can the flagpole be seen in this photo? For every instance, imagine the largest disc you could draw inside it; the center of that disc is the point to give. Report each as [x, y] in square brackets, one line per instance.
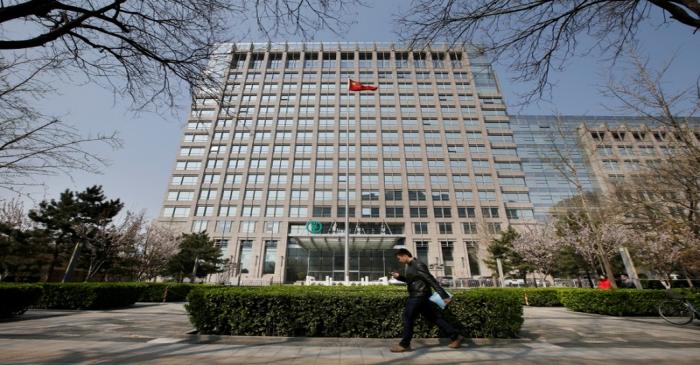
[347, 182]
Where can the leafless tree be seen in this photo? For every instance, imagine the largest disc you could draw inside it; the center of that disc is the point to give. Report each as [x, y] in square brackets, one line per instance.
[538, 36]
[12, 214]
[112, 243]
[144, 49]
[33, 144]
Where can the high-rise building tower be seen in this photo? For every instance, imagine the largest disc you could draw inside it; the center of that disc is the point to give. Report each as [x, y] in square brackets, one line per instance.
[433, 164]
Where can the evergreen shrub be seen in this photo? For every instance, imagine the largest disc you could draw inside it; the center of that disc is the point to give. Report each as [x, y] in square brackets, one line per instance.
[166, 292]
[90, 295]
[615, 302]
[345, 312]
[15, 299]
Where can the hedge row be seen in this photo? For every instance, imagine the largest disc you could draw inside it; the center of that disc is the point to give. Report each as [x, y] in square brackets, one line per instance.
[90, 295]
[344, 312]
[620, 302]
[538, 297]
[17, 298]
[165, 292]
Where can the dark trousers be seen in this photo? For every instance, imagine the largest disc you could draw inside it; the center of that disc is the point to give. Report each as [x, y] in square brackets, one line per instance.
[430, 311]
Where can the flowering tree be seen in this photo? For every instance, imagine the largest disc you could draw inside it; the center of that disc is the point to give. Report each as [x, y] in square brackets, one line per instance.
[594, 240]
[662, 249]
[538, 245]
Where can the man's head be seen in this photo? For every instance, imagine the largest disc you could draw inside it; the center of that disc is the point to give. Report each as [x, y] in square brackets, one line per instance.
[624, 277]
[403, 255]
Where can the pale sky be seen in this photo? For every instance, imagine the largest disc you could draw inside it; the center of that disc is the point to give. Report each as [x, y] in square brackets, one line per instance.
[139, 172]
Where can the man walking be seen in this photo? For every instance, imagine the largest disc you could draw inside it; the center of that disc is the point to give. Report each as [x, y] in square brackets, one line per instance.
[419, 281]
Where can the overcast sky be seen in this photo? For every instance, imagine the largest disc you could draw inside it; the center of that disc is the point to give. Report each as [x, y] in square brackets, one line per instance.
[139, 172]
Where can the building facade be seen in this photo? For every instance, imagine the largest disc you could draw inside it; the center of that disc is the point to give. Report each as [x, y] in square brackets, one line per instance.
[601, 151]
[433, 165]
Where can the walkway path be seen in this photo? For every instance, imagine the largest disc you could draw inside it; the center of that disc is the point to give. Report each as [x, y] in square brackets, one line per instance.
[156, 333]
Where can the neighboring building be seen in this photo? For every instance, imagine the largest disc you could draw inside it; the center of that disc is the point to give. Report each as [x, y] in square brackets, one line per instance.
[602, 150]
[433, 164]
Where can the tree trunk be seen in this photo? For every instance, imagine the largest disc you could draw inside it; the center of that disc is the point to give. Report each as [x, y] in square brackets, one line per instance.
[590, 279]
[73, 262]
[54, 261]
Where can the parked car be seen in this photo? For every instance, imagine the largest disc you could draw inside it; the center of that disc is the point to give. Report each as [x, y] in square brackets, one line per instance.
[513, 282]
[446, 280]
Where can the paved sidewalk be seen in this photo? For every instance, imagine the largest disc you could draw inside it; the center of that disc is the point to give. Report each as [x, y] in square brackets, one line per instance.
[156, 333]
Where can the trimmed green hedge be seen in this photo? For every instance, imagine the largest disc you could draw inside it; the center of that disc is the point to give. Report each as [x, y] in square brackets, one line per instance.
[344, 312]
[90, 295]
[539, 297]
[619, 302]
[17, 298]
[165, 292]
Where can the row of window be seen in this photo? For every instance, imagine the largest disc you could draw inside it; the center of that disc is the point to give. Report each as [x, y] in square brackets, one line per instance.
[326, 75]
[329, 163]
[347, 60]
[326, 195]
[385, 136]
[273, 211]
[366, 149]
[365, 179]
[638, 136]
[325, 123]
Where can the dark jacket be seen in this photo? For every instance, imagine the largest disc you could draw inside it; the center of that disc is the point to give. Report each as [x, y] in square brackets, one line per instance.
[419, 281]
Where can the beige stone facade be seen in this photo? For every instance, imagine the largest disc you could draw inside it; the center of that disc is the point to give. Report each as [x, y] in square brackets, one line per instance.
[431, 155]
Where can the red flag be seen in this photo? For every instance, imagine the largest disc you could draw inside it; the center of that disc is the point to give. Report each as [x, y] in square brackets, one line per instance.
[356, 86]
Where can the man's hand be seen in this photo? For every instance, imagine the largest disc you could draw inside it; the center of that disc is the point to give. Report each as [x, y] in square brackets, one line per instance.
[395, 274]
[447, 301]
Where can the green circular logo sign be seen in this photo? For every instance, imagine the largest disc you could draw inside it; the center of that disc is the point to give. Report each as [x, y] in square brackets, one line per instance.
[314, 226]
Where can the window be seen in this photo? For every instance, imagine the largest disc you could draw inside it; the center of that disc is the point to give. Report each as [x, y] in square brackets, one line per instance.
[466, 212]
[487, 194]
[233, 179]
[250, 211]
[322, 211]
[223, 226]
[176, 212]
[183, 195]
[519, 213]
[441, 195]
[254, 179]
[370, 212]
[469, 228]
[442, 212]
[204, 211]
[252, 195]
[370, 195]
[394, 212]
[210, 179]
[227, 211]
[489, 212]
[323, 195]
[416, 195]
[298, 211]
[341, 211]
[247, 227]
[419, 212]
[393, 195]
[445, 227]
[420, 227]
[493, 228]
[300, 195]
[229, 194]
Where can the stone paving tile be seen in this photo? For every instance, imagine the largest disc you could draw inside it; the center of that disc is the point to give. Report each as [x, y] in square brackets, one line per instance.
[156, 334]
